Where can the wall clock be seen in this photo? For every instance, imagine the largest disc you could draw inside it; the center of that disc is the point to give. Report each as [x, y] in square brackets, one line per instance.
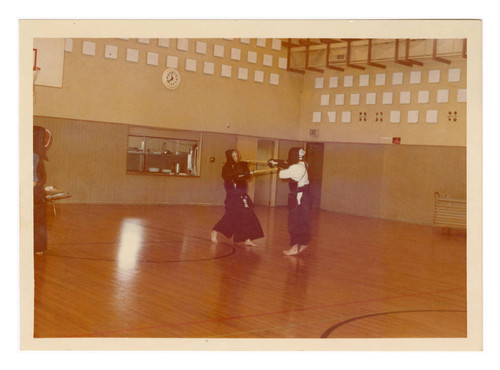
[171, 78]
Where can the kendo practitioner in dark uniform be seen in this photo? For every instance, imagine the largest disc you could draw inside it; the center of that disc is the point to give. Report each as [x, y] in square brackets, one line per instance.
[239, 220]
[299, 199]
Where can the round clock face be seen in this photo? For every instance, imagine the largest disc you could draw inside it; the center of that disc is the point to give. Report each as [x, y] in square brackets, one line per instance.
[171, 78]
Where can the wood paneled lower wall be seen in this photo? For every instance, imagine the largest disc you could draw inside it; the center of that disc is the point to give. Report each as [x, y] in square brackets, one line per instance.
[386, 181]
[88, 159]
[391, 181]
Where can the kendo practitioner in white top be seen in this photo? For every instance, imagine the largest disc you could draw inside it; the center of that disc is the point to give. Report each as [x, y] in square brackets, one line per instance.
[239, 220]
[299, 199]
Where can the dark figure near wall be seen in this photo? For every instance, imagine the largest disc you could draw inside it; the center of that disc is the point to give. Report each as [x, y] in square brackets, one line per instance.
[41, 140]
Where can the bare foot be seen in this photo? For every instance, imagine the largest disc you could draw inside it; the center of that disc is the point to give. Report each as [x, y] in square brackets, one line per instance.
[250, 243]
[302, 248]
[292, 251]
[213, 236]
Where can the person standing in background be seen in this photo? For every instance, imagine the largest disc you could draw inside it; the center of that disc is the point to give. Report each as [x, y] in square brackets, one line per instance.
[41, 140]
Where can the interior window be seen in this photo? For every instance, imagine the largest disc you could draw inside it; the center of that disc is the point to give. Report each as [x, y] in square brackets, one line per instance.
[163, 156]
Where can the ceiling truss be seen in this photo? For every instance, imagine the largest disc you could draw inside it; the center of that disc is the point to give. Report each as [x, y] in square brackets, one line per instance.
[310, 46]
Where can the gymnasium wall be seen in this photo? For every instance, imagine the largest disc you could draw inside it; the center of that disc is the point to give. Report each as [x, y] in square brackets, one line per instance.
[391, 181]
[421, 105]
[363, 174]
[227, 85]
[89, 160]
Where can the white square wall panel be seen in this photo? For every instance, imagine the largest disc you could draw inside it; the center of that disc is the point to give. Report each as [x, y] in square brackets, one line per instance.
[201, 47]
[226, 70]
[380, 79]
[371, 98]
[434, 76]
[68, 45]
[172, 61]
[111, 51]
[152, 58]
[397, 78]
[423, 96]
[431, 116]
[318, 82]
[454, 75]
[387, 98]
[182, 44]
[235, 54]
[395, 116]
[258, 76]
[209, 68]
[354, 99]
[325, 99]
[282, 62]
[332, 117]
[261, 43]
[346, 117]
[339, 99]
[276, 44]
[267, 60]
[443, 96]
[245, 41]
[316, 117]
[415, 77]
[461, 95]
[333, 82]
[348, 81]
[191, 65]
[88, 48]
[132, 55]
[252, 57]
[218, 51]
[413, 116]
[404, 97]
[242, 73]
[364, 80]
[143, 41]
[274, 79]
[164, 43]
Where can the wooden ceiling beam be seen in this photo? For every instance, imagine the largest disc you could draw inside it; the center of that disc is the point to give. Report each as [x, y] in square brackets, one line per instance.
[407, 54]
[289, 44]
[308, 43]
[328, 43]
[348, 55]
[406, 61]
[288, 68]
[434, 54]
[370, 63]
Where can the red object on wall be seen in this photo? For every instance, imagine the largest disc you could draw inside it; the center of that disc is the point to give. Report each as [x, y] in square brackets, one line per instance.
[396, 140]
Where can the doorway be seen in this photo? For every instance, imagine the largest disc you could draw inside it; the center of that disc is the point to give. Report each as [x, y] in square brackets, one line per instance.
[314, 158]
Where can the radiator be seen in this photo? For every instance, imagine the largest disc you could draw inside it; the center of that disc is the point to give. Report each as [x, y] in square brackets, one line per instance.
[449, 212]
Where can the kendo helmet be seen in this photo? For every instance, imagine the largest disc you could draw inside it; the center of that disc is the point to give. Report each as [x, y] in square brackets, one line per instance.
[295, 155]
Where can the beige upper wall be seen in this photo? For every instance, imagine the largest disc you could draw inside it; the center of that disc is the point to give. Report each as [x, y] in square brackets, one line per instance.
[336, 104]
[104, 89]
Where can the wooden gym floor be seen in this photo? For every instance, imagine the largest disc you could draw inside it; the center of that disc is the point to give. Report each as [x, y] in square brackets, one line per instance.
[151, 271]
